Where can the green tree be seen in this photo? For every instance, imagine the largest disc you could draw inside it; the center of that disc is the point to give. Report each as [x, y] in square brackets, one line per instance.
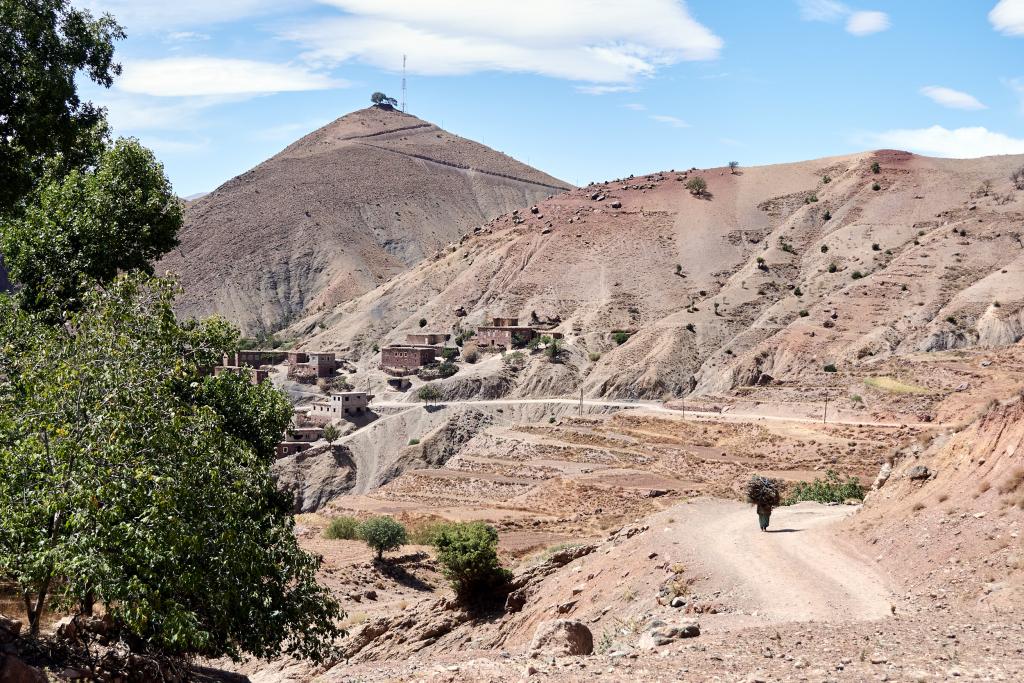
[468, 552]
[131, 481]
[428, 393]
[331, 433]
[45, 47]
[553, 349]
[383, 534]
[90, 225]
[379, 99]
[733, 165]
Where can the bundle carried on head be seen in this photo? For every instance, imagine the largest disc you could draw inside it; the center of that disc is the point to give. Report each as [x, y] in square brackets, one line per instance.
[764, 491]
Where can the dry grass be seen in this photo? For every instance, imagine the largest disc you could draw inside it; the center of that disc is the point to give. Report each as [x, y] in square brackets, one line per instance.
[894, 386]
[1012, 482]
[918, 506]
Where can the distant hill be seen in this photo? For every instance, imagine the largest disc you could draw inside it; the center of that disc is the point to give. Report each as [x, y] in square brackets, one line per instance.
[780, 274]
[339, 212]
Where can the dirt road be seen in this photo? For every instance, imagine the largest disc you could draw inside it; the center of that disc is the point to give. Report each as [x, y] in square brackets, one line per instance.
[795, 572]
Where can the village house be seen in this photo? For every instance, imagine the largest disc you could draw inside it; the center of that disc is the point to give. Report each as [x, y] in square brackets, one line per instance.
[403, 359]
[504, 332]
[255, 374]
[344, 404]
[253, 359]
[426, 338]
[304, 434]
[291, 447]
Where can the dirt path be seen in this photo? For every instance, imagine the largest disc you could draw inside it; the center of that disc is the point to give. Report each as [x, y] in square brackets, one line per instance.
[795, 572]
[661, 408]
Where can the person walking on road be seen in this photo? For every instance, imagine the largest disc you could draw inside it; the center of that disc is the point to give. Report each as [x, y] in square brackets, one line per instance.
[764, 515]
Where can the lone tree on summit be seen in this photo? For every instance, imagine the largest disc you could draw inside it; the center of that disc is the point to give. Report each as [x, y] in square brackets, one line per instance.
[381, 100]
[733, 165]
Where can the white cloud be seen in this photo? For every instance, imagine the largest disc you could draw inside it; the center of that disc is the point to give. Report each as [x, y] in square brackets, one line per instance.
[635, 106]
[822, 10]
[600, 41]
[954, 99]
[670, 120]
[858, 22]
[186, 36]
[161, 15]
[959, 143]
[604, 89]
[212, 76]
[1008, 17]
[866, 23]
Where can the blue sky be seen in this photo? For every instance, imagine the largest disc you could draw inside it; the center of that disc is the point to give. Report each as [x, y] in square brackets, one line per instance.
[583, 89]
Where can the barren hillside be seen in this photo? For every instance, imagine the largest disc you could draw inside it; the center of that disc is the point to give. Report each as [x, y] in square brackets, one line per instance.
[775, 274]
[337, 213]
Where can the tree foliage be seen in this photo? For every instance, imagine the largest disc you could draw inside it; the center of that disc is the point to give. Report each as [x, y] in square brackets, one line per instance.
[88, 225]
[131, 480]
[45, 45]
[379, 99]
[383, 534]
[428, 393]
[468, 553]
[831, 489]
[697, 186]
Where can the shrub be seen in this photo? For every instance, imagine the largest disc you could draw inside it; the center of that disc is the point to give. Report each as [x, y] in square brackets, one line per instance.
[832, 267]
[826, 179]
[344, 528]
[690, 327]
[804, 313]
[594, 356]
[553, 349]
[876, 247]
[875, 168]
[797, 291]
[831, 489]
[331, 433]
[787, 247]
[810, 199]
[824, 249]
[830, 367]
[679, 269]
[1017, 178]
[620, 338]
[449, 353]
[951, 320]
[469, 558]
[551, 420]
[425, 532]
[534, 343]
[827, 215]
[876, 187]
[423, 322]
[446, 369]
[470, 353]
[697, 186]
[856, 275]
[383, 534]
[414, 442]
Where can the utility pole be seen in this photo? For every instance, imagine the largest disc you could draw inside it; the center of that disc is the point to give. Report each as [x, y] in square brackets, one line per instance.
[824, 414]
[403, 84]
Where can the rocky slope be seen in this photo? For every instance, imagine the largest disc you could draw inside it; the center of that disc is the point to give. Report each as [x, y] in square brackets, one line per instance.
[774, 274]
[337, 213]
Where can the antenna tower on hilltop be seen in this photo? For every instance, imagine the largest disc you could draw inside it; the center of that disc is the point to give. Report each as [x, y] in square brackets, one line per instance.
[403, 84]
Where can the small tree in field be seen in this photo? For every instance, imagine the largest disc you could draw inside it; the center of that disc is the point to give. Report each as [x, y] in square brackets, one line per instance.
[733, 165]
[331, 433]
[697, 186]
[468, 554]
[428, 393]
[383, 534]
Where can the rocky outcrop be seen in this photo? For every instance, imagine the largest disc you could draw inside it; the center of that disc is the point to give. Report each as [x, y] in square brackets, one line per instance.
[562, 638]
[316, 476]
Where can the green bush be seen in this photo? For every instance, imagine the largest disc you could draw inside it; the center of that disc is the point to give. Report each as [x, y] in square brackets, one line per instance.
[827, 215]
[830, 368]
[831, 489]
[594, 356]
[428, 393]
[876, 247]
[449, 353]
[423, 322]
[876, 187]
[383, 534]
[620, 338]
[832, 267]
[875, 168]
[697, 186]
[804, 313]
[414, 442]
[824, 249]
[469, 558]
[344, 528]
[856, 275]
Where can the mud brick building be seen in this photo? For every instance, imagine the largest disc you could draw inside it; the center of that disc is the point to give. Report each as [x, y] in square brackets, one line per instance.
[403, 358]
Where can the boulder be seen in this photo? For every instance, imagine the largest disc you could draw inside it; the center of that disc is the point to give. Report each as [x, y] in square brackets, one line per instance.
[10, 629]
[13, 670]
[918, 472]
[562, 637]
[659, 633]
